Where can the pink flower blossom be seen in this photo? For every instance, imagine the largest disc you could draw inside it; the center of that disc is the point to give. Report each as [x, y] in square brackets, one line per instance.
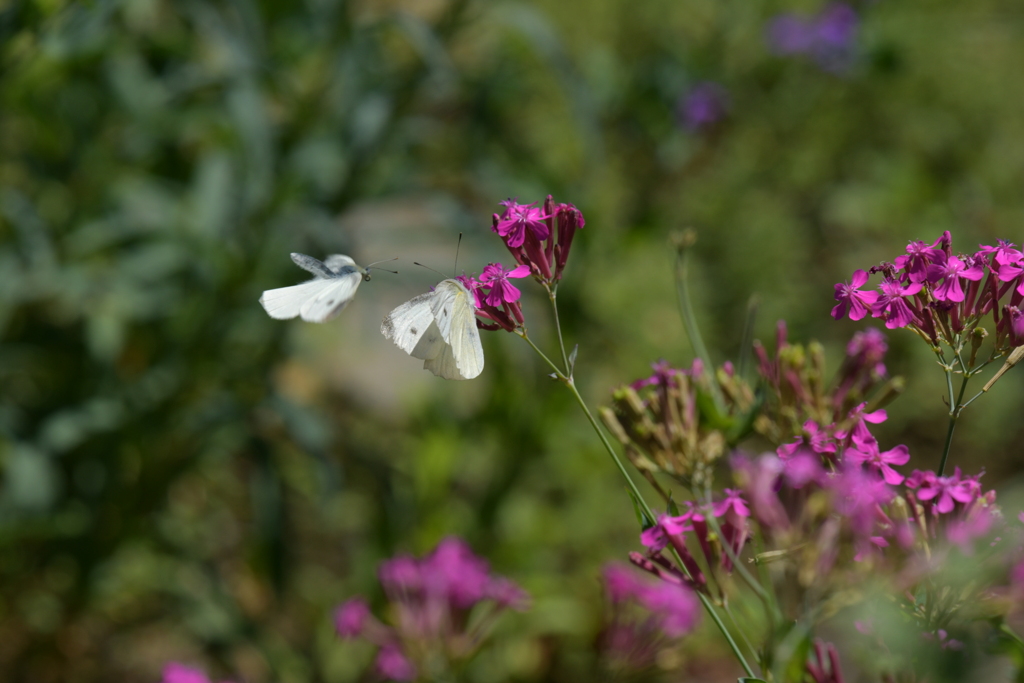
[919, 256]
[677, 607]
[946, 491]
[496, 277]
[179, 673]
[858, 496]
[951, 271]
[733, 501]
[350, 616]
[851, 299]
[868, 454]
[517, 219]
[392, 665]
[891, 305]
[664, 376]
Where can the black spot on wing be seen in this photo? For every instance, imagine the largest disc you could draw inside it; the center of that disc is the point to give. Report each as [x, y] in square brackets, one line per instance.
[413, 330]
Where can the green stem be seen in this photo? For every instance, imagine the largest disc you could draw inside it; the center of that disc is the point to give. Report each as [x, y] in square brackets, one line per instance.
[553, 295]
[568, 381]
[739, 629]
[954, 413]
[690, 324]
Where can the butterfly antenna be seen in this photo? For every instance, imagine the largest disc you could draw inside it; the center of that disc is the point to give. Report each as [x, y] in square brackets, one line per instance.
[384, 269]
[429, 268]
[457, 245]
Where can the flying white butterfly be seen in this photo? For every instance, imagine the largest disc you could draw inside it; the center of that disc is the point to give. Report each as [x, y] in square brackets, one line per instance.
[439, 327]
[335, 282]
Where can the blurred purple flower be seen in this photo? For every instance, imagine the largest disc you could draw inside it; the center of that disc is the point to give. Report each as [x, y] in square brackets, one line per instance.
[829, 36]
[350, 616]
[705, 104]
[179, 673]
[431, 605]
[392, 665]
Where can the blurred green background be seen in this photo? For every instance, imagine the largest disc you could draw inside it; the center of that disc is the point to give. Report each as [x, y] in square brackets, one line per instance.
[182, 477]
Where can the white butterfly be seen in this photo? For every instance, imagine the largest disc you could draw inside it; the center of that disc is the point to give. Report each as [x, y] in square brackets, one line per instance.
[335, 283]
[440, 328]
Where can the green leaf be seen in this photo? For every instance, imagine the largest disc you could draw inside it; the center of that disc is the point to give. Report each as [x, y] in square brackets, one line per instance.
[641, 516]
[673, 509]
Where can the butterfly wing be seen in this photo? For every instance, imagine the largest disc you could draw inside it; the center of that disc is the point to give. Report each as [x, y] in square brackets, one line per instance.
[338, 261]
[455, 315]
[408, 324]
[320, 299]
[332, 299]
[287, 302]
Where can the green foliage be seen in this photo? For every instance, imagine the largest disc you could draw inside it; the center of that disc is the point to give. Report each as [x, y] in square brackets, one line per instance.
[182, 477]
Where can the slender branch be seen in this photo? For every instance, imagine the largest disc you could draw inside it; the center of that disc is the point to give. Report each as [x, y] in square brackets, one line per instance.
[953, 415]
[690, 320]
[568, 381]
[552, 295]
[739, 629]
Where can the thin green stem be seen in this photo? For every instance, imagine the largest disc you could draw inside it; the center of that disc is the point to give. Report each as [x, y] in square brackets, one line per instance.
[954, 413]
[739, 629]
[568, 381]
[553, 296]
[725, 632]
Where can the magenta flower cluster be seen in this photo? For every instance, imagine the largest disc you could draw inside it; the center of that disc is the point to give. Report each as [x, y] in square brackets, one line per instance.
[845, 461]
[497, 299]
[430, 601]
[941, 294]
[539, 237]
[645, 617]
[716, 546]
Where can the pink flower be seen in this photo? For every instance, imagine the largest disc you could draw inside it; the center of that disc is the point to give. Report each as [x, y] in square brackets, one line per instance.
[517, 219]
[179, 673]
[1006, 254]
[858, 496]
[455, 573]
[948, 491]
[474, 286]
[732, 501]
[919, 257]
[951, 270]
[677, 607]
[866, 350]
[392, 665]
[859, 434]
[496, 277]
[803, 469]
[620, 582]
[891, 305]
[664, 376]
[851, 299]
[868, 454]
[350, 616]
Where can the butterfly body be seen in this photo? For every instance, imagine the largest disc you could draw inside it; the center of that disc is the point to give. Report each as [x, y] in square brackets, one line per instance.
[439, 328]
[335, 281]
